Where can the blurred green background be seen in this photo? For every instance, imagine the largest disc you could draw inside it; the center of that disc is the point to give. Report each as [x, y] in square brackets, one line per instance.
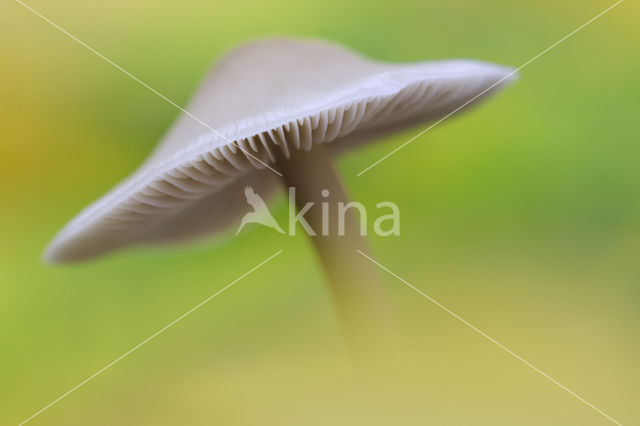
[523, 216]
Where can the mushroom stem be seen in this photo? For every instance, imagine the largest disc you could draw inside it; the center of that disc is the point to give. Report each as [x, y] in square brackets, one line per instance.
[354, 282]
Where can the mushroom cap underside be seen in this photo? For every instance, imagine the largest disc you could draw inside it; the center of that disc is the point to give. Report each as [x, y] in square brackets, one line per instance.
[279, 94]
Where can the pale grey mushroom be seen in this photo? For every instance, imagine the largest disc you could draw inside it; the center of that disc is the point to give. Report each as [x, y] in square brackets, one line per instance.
[285, 105]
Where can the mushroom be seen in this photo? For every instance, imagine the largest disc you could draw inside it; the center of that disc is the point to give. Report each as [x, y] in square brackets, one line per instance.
[279, 106]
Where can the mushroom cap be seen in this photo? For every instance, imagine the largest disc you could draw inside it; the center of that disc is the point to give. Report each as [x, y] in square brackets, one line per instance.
[276, 94]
